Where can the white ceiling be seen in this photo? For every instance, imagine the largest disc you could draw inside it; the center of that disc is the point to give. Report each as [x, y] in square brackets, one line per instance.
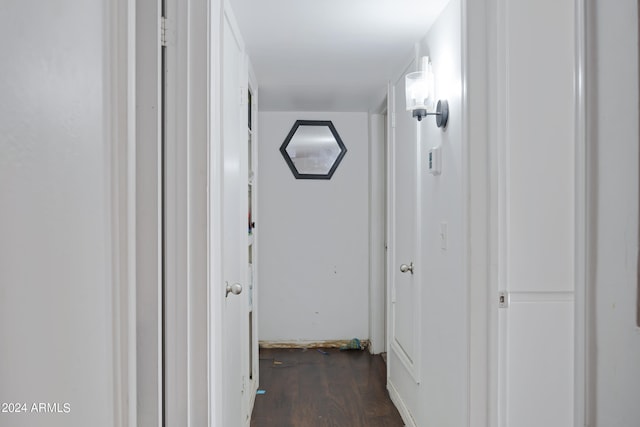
[330, 55]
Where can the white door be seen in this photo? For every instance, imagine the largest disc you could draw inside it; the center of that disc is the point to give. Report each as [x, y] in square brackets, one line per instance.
[536, 219]
[234, 230]
[404, 269]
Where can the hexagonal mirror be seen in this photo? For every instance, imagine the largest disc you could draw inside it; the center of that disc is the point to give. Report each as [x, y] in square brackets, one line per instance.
[313, 149]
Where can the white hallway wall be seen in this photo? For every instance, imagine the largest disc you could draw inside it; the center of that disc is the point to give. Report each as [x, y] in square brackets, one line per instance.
[438, 399]
[313, 265]
[615, 347]
[444, 326]
[56, 294]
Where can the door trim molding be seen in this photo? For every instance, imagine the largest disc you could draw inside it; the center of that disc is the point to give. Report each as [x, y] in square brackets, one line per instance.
[582, 201]
[214, 230]
[389, 258]
[377, 256]
[477, 189]
[121, 99]
[186, 262]
[254, 382]
[146, 108]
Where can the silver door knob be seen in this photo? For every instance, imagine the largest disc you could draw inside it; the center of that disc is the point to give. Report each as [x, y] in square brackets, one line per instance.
[404, 268]
[235, 289]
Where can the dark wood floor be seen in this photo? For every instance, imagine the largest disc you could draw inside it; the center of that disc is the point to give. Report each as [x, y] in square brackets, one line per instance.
[305, 388]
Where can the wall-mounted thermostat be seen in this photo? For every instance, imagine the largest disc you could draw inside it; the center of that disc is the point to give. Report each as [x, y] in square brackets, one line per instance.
[434, 161]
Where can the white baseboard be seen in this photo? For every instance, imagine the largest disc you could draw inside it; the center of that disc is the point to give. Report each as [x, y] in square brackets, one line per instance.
[402, 408]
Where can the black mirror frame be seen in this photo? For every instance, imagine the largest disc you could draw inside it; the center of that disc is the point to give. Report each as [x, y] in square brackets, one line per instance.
[334, 132]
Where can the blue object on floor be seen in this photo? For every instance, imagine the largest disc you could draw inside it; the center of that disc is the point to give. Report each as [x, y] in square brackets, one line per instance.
[261, 391]
[354, 344]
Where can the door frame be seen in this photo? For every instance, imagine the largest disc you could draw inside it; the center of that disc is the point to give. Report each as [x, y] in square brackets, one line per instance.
[188, 298]
[215, 227]
[583, 81]
[145, 200]
[133, 262]
[252, 85]
[478, 178]
[377, 231]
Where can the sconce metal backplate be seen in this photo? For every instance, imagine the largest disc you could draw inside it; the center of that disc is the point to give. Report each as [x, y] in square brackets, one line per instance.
[442, 113]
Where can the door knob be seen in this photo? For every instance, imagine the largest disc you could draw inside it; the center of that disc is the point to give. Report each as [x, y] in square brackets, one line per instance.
[235, 289]
[404, 268]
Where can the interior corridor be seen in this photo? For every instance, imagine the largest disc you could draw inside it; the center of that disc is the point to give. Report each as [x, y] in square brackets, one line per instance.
[323, 388]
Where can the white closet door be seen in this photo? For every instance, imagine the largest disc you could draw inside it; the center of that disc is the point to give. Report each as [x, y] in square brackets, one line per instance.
[536, 121]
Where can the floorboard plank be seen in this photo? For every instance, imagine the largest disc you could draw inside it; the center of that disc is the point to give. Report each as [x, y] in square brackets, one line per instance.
[308, 388]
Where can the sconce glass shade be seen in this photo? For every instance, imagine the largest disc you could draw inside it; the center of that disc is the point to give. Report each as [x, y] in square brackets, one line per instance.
[419, 89]
[420, 95]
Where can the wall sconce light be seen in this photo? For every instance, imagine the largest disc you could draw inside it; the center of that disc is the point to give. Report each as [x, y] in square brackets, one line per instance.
[420, 93]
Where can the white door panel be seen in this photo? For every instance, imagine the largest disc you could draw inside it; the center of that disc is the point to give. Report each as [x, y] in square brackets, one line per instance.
[539, 363]
[405, 296]
[234, 250]
[404, 315]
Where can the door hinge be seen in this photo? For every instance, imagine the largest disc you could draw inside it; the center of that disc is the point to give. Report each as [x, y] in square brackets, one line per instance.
[163, 31]
[503, 299]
